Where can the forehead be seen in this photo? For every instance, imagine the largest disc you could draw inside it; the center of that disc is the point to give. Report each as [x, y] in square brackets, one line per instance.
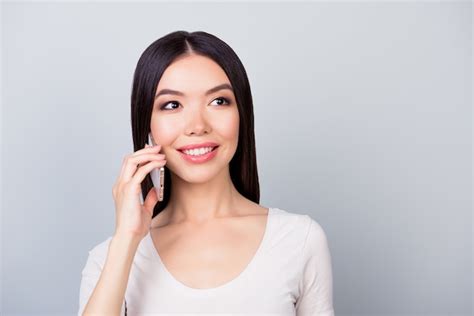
[192, 75]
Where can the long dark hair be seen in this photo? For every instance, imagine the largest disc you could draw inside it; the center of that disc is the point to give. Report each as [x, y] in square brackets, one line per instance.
[150, 67]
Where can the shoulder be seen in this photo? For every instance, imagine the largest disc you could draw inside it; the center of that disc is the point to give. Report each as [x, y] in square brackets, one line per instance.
[302, 222]
[98, 253]
[301, 228]
[314, 270]
[316, 241]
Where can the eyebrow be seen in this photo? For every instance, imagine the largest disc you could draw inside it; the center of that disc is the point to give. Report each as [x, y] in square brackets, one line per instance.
[210, 91]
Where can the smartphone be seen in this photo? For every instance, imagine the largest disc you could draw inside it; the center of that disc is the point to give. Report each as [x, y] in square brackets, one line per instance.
[157, 176]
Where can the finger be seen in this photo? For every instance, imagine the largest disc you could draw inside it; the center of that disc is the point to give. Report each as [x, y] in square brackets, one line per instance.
[137, 162]
[144, 170]
[150, 201]
[146, 149]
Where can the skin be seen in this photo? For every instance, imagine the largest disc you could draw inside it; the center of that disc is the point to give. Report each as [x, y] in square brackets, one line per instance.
[207, 222]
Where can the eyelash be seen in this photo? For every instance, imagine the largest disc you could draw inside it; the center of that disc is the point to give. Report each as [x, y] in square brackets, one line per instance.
[165, 104]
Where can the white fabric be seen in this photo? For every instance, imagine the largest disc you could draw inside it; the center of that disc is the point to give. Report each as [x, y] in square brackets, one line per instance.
[289, 275]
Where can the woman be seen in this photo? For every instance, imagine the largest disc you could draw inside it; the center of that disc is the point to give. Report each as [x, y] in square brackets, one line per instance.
[208, 246]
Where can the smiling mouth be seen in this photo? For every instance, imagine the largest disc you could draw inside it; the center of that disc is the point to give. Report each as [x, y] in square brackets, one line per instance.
[214, 148]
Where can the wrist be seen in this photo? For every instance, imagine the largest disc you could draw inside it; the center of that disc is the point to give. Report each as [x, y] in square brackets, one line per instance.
[126, 240]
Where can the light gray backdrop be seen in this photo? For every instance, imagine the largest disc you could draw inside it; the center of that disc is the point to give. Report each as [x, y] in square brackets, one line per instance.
[363, 120]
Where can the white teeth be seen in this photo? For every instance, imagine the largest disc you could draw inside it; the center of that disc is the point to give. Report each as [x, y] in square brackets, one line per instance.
[198, 152]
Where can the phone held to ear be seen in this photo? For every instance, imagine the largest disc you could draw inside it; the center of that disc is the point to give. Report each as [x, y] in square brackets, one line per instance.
[157, 176]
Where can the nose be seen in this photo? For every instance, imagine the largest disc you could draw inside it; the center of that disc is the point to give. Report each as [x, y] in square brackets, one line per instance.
[197, 122]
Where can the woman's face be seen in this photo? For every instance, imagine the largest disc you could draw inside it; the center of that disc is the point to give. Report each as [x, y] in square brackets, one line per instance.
[195, 117]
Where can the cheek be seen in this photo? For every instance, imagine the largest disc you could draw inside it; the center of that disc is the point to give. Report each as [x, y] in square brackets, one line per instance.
[228, 126]
[224, 125]
[163, 131]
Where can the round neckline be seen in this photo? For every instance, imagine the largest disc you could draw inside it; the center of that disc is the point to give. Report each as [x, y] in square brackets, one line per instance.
[241, 275]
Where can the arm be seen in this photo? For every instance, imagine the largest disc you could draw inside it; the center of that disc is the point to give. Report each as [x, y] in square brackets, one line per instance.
[316, 287]
[107, 297]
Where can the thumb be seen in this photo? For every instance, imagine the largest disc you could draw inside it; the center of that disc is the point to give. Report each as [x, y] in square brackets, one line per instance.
[150, 200]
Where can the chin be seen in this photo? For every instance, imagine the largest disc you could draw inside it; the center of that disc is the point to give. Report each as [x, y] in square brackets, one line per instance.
[200, 173]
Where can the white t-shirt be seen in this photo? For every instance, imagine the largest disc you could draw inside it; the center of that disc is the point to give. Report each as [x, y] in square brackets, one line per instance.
[290, 274]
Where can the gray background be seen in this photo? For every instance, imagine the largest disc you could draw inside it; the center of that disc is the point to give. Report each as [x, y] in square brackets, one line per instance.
[363, 121]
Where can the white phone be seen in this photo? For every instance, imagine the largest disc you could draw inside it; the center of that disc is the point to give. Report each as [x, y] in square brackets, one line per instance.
[157, 176]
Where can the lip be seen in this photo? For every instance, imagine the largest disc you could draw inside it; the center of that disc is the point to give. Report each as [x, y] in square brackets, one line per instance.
[200, 159]
[192, 146]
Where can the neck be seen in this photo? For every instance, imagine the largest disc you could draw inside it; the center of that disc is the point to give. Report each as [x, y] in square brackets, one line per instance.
[202, 202]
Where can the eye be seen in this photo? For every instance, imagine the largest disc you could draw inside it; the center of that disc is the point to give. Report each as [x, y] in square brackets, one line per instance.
[162, 107]
[225, 100]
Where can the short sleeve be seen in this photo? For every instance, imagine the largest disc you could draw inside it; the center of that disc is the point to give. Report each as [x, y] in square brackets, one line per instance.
[90, 277]
[315, 285]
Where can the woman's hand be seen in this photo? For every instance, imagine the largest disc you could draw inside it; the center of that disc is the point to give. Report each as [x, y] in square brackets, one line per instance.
[132, 218]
